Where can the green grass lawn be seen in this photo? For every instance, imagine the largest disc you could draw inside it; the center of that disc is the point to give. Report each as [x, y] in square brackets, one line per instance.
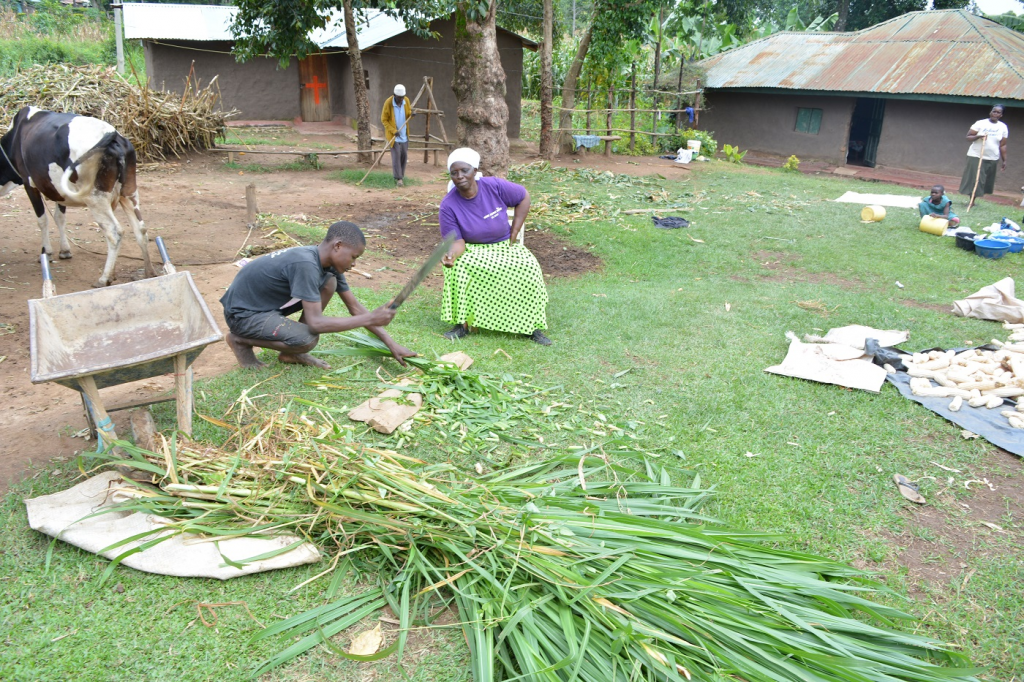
[695, 323]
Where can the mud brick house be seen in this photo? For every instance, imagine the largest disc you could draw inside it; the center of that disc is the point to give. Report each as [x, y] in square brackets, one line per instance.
[901, 94]
[183, 39]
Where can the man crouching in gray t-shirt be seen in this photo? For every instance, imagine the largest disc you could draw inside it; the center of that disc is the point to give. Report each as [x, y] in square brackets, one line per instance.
[270, 288]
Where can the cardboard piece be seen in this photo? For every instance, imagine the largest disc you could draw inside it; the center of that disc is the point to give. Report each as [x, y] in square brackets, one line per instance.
[829, 363]
[383, 414]
[460, 359]
[995, 302]
[188, 556]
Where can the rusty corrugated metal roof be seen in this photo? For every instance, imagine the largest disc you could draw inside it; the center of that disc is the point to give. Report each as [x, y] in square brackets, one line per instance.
[937, 52]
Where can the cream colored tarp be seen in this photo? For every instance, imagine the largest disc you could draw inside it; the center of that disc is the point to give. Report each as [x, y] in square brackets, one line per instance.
[995, 302]
[843, 364]
[894, 200]
[64, 515]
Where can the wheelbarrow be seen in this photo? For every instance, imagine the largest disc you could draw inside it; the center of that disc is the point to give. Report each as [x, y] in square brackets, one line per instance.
[90, 340]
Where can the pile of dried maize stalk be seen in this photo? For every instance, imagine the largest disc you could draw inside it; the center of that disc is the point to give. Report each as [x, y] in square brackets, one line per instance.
[983, 378]
[156, 122]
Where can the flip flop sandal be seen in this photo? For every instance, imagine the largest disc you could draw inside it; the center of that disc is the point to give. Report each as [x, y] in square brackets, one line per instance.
[908, 489]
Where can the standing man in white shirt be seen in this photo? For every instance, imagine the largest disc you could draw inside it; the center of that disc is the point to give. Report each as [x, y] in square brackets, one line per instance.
[988, 148]
[395, 118]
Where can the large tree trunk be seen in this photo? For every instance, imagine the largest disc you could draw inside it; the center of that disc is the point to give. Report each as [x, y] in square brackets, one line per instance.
[479, 87]
[362, 99]
[547, 78]
[569, 91]
[844, 13]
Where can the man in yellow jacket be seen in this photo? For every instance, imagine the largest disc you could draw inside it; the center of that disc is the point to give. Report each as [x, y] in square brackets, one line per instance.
[395, 117]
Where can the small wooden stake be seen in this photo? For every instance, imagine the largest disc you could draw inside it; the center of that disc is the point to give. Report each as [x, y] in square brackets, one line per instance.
[252, 211]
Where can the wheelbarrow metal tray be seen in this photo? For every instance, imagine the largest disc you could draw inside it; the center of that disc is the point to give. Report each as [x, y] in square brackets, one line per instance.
[120, 333]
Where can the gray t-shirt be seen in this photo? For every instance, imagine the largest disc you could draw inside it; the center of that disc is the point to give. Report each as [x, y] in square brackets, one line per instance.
[271, 281]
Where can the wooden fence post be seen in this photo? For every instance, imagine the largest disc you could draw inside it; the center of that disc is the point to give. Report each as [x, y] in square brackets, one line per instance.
[430, 105]
[632, 109]
[697, 104]
[608, 117]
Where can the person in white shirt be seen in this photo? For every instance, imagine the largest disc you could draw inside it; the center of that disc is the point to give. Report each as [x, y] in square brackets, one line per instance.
[988, 148]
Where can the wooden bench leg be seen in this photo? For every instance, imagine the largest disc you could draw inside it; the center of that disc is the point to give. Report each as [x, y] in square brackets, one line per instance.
[183, 393]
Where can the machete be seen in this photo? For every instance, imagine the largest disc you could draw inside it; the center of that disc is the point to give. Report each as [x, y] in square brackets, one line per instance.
[439, 251]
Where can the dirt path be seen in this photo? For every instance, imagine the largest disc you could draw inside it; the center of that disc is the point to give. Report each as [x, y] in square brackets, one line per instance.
[198, 206]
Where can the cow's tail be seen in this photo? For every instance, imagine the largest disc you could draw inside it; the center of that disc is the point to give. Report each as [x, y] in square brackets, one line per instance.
[104, 146]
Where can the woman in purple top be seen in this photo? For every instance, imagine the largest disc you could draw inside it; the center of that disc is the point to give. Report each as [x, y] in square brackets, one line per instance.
[491, 281]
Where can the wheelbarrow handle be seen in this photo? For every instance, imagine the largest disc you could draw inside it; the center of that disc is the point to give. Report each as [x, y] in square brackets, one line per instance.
[49, 291]
[162, 249]
[168, 267]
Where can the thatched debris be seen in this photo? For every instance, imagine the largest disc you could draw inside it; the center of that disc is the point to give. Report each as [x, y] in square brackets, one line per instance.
[157, 123]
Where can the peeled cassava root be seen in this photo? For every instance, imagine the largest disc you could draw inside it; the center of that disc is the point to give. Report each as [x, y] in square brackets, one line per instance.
[979, 378]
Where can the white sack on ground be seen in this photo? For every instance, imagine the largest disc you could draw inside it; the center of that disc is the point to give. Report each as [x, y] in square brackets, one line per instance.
[830, 363]
[894, 200]
[185, 555]
[995, 302]
[855, 335]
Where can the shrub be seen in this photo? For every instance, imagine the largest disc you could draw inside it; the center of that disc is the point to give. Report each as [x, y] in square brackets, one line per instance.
[792, 164]
[708, 144]
[732, 154]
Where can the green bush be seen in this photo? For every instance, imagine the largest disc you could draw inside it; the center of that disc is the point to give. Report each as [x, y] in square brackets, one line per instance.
[708, 144]
[29, 50]
[792, 164]
[732, 154]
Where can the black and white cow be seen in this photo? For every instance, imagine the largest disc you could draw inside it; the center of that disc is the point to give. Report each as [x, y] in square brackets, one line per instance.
[74, 161]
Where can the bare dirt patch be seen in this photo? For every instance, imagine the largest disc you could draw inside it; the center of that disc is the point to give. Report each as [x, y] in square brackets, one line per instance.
[947, 536]
[781, 267]
[197, 205]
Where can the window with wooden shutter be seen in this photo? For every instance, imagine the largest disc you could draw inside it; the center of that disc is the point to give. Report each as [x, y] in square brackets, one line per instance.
[808, 121]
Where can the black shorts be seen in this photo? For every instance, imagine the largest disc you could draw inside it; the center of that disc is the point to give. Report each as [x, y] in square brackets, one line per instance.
[273, 325]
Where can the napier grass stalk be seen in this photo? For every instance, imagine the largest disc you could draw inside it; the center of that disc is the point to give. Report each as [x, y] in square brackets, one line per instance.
[578, 567]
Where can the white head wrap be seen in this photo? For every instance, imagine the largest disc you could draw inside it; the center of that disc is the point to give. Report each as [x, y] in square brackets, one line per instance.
[399, 90]
[464, 155]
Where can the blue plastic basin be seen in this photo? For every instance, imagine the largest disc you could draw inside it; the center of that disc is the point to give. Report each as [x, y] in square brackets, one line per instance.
[991, 248]
[1016, 243]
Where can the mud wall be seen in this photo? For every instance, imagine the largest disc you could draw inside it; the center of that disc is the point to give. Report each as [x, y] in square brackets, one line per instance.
[767, 122]
[931, 137]
[259, 89]
[406, 59]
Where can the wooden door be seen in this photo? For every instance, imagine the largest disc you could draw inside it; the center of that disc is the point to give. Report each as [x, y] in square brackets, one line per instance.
[315, 93]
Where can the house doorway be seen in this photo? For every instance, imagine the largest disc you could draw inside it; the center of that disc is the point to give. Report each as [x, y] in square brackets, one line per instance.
[865, 132]
[314, 89]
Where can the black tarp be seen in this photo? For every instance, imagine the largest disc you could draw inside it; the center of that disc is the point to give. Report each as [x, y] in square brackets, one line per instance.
[989, 424]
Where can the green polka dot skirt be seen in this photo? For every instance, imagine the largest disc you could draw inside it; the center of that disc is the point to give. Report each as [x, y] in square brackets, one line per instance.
[498, 287]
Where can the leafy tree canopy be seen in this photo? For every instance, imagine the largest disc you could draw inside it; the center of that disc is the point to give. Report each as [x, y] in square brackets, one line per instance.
[280, 28]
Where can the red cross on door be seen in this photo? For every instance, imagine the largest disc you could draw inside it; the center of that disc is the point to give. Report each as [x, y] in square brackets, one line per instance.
[313, 77]
[316, 85]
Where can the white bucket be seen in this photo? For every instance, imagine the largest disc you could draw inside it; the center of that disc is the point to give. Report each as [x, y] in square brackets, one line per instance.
[684, 156]
[693, 146]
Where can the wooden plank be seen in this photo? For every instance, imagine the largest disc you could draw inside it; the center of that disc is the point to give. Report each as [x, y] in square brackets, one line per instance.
[433, 104]
[428, 81]
[315, 95]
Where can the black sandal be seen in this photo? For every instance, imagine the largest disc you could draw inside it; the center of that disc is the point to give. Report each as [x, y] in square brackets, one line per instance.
[538, 337]
[456, 332]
